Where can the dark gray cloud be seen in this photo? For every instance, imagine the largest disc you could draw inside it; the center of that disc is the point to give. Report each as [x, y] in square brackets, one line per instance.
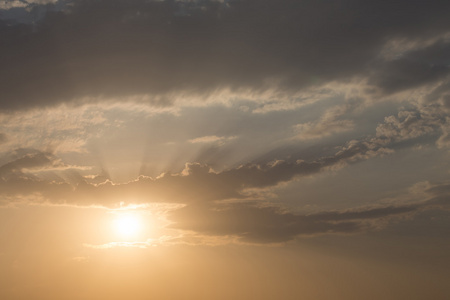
[268, 224]
[413, 69]
[3, 138]
[122, 48]
[253, 222]
[440, 195]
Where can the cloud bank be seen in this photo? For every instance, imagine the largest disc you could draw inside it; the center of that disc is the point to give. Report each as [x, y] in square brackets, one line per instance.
[168, 50]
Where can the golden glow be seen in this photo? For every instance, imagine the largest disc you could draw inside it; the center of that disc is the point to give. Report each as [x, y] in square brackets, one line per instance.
[128, 225]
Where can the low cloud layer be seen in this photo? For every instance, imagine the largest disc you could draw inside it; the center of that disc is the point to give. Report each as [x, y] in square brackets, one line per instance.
[259, 224]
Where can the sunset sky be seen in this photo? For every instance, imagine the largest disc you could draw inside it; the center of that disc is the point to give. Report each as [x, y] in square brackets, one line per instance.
[224, 149]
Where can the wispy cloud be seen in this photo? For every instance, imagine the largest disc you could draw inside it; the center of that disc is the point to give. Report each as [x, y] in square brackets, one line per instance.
[211, 139]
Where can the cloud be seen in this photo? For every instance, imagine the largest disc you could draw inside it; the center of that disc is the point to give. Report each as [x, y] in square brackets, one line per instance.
[3, 138]
[203, 191]
[444, 139]
[211, 139]
[257, 223]
[10, 4]
[249, 222]
[168, 50]
[163, 240]
[323, 129]
[268, 224]
[414, 68]
[199, 183]
[328, 124]
[69, 72]
[407, 125]
[33, 160]
[35, 176]
[196, 183]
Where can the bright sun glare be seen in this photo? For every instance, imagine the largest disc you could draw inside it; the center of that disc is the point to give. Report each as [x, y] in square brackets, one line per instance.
[127, 225]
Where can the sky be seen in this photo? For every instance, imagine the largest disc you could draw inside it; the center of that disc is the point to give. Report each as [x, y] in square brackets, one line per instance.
[234, 149]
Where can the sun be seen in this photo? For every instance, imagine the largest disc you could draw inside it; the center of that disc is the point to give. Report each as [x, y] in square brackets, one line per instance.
[128, 225]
